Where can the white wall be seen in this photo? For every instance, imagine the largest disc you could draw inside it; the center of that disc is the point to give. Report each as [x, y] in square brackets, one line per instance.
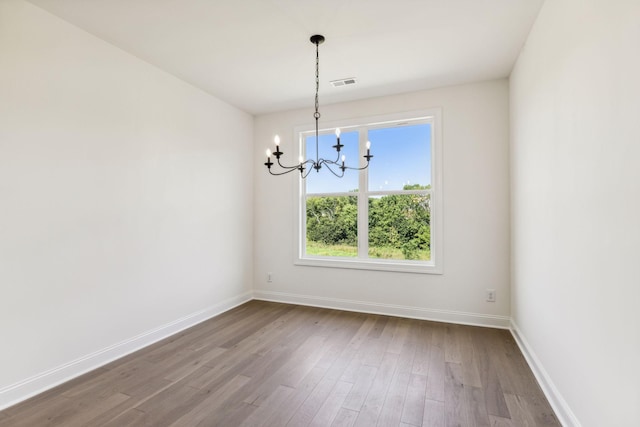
[122, 208]
[575, 156]
[476, 214]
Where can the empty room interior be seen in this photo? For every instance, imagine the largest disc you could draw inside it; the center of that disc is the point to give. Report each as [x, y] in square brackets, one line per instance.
[470, 261]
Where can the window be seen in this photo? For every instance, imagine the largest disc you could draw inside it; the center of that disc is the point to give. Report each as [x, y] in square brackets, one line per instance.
[385, 217]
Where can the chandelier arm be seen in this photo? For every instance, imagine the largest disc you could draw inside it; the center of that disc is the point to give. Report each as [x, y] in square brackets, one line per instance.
[339, 164]
[358, 169]
[304, 175]
[331, 170]
[282, 173]
[290, 167]
[337, 158]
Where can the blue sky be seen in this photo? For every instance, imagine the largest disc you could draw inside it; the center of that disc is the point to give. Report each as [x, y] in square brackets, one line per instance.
[402, 155]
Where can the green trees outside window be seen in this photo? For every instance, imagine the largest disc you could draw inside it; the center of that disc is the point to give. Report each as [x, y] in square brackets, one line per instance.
[332, 226]
[399, 225]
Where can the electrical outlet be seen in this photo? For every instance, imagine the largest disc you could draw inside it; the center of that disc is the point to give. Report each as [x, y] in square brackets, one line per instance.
[491, 295]
[269, 277]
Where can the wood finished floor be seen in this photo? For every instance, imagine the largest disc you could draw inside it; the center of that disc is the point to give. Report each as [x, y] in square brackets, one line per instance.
[268, 364]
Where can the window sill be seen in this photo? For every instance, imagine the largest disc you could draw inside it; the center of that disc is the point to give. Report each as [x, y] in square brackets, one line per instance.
[375, 265]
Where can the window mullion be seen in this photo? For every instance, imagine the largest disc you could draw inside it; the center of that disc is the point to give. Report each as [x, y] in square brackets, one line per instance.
[363, 199]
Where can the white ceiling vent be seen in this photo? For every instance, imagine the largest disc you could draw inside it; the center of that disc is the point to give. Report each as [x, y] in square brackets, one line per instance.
[343, 82]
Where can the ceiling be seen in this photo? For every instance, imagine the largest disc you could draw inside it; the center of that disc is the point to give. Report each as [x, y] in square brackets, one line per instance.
[256, 54]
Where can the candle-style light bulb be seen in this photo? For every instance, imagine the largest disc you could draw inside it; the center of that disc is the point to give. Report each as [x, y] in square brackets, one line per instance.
[268, 164]
[368, 156]
[343, 159]
[300, 159]
[276, 139]
[338, 146]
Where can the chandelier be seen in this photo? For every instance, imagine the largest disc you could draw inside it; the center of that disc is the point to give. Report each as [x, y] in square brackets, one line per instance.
[305, 166]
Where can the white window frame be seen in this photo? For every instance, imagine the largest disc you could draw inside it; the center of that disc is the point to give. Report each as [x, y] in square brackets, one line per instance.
[433, 266]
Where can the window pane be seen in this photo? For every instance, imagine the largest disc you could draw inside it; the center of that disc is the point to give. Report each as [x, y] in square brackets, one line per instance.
[324, 181]
[402, 157]
[332, 226]
[400, 227]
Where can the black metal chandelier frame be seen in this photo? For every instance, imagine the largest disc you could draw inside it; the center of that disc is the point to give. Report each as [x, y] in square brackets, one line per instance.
[305, 167]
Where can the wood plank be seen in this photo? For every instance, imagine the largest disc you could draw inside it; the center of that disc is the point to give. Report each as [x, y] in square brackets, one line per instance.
[535, 410]
[470, 372]
[268, 407]
[244, 330]
[437, 373]
[295, 401]
[211, 377]
[172, 403]
[308, 410]
[188, 365]
[438, 332]
[422, 334]
[360, 390]
[400, 335]
[476, 407]
[433, 414]
[413, 409]
[358, 343]
[329, 409]
[291, 373]
[71, 412]
[378, 327]
[303, 360]
[452, 344]
[330, 368]
[541, 410]
[484, 344]
[204, 411]
[345, 418]
[285, 329]
[391, 413]
[374, 401]
[513, 374]
[363, 332]
[500, 421]
[518, 410]
[130, 418]
[454, 401]
[373, 351]
[233, 414]
[104, 412]
[216, 332]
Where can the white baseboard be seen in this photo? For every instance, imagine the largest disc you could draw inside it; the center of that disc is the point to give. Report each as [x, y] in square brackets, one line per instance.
[502, 322]
[15, 393]
[564, 413]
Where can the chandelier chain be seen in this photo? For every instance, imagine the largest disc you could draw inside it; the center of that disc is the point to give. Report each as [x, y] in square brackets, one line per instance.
[317, 115]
